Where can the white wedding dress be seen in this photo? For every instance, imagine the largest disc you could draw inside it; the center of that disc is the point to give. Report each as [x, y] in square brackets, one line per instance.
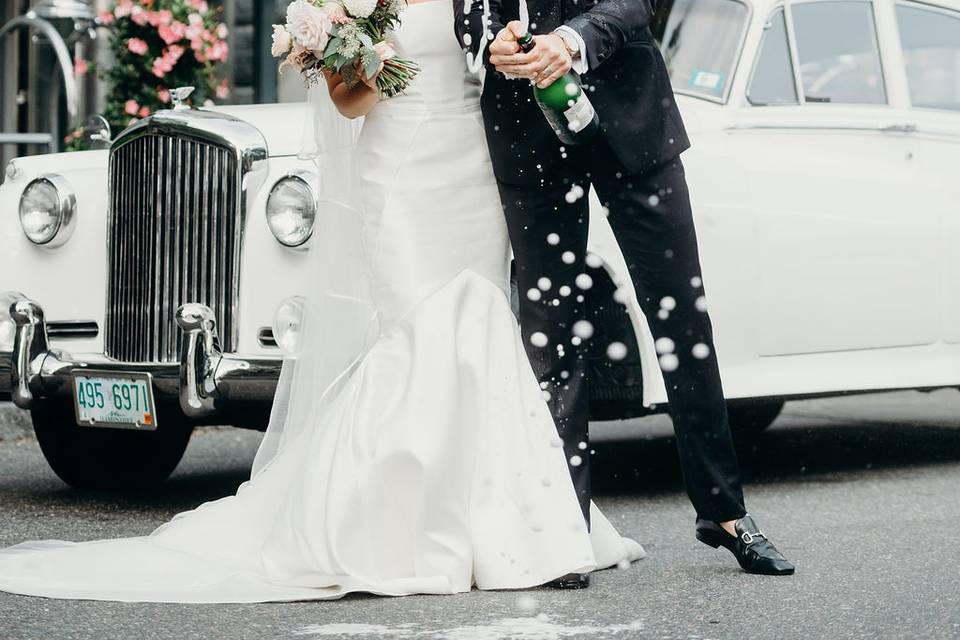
[434, 466]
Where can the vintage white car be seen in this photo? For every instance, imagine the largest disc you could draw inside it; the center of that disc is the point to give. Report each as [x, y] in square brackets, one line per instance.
[143, 282]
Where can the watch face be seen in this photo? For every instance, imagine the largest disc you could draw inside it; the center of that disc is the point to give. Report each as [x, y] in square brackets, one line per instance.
[572, 45]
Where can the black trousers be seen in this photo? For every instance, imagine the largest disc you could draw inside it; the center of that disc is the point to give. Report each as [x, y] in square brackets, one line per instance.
[652, 219]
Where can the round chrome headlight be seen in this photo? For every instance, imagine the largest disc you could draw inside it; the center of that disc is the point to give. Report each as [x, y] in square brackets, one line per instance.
[8, 328]
[288, 325]
[292, 209]
[47, 210]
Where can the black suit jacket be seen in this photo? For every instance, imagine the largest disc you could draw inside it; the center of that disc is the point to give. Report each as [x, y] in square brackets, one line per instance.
[627, 82]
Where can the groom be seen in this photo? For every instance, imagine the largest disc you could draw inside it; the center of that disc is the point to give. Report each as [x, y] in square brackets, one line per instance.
[634, 165]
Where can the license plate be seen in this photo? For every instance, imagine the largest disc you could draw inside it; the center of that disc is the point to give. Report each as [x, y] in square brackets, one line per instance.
[117, 400]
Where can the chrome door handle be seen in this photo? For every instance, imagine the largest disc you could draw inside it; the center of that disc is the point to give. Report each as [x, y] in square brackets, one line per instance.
[900, 127]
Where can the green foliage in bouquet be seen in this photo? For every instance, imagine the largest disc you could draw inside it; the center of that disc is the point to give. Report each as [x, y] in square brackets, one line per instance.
[158, 45]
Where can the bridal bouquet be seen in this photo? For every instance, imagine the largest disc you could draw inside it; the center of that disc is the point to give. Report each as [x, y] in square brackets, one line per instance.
[344, 36]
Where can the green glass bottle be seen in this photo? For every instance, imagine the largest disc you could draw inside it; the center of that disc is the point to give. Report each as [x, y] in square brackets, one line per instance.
[565, 104]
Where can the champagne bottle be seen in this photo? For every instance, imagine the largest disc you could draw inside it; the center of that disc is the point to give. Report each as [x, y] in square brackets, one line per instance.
[565, 104]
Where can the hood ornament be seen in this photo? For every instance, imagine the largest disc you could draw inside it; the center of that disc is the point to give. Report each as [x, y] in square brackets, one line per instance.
[179, 95]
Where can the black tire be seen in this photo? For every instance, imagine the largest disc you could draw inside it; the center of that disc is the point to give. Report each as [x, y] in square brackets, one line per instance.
[97, 458]
[752, 417]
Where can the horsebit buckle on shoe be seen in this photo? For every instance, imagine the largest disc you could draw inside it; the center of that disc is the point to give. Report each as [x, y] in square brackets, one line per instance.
[748, 538]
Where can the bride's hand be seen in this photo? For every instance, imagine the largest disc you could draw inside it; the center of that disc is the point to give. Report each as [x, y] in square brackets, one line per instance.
[385, 51]
[371, 81]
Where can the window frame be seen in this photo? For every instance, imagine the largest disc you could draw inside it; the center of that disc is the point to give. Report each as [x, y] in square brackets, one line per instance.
[737, 61]
[787, 7]
[798, 91]
[921, 6]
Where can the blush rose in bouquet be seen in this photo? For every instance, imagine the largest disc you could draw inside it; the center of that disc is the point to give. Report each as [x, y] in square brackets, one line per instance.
[344, 37]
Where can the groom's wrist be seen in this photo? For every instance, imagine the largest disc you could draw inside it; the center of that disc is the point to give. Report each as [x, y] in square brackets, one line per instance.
[575, 47]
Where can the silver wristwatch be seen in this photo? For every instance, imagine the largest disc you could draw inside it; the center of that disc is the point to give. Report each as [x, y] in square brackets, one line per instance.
[572, 44]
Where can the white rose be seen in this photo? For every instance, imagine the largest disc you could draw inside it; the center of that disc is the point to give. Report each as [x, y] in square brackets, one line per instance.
[360, 8]
[281, 41]
[309, 26]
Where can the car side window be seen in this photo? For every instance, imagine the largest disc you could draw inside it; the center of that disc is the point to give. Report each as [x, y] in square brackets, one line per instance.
[773, 82]
[838, 52]
[931, 51]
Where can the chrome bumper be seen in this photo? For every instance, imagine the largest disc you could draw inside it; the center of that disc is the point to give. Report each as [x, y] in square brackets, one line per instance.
[206, 380]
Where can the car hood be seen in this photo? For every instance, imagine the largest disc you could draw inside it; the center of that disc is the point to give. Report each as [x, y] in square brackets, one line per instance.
[283, 125]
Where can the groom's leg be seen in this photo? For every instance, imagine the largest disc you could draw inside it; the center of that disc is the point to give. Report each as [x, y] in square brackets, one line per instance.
[549, 237]
[652, 219]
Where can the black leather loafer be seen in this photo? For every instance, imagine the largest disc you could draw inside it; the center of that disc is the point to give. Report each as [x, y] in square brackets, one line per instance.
[751, 548]
[571, 581]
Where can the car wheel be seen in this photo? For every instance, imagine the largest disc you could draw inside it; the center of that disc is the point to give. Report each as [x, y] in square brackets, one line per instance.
[98, 458]
[751, 417]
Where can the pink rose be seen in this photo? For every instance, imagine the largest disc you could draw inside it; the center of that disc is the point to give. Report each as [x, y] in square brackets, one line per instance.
[106, 18]
[163, 95]
[131, 107]
[219, 51]
[80, 66]
[158, 19]
[223, 90]
[137, 46]
[139, 16]
[309, 25]
[163, 65]
[173, 32]
[336, 13]
[194, 30]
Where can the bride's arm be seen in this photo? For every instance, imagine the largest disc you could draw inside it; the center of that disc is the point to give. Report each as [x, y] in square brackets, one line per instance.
[352, 103]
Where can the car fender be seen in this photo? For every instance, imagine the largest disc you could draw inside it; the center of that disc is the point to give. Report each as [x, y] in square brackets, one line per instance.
[68, 281]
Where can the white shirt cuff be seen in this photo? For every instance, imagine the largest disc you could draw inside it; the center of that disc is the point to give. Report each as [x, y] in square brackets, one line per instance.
[580, 64]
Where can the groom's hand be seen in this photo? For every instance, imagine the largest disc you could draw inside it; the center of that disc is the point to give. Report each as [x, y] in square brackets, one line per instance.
[505, 44]
[545, 64]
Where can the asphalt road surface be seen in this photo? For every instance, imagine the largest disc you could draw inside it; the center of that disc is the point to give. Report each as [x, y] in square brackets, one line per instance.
[863, 493]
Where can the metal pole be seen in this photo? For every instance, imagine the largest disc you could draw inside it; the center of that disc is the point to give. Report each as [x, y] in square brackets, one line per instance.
[60, 49]
[266, 66]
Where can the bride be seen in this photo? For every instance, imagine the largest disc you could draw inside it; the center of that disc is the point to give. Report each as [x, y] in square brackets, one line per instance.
[410, 450]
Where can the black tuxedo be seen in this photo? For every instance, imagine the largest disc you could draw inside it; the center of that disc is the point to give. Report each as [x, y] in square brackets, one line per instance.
[635, 168]
[628, 84]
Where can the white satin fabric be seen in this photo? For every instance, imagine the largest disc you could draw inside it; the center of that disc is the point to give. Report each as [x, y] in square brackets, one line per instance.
[434, 466]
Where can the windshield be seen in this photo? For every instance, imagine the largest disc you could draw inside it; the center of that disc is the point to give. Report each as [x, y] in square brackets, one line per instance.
[700, 41]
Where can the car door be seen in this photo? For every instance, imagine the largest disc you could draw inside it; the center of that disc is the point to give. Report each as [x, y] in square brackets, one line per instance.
[930, 45]
[841, 243]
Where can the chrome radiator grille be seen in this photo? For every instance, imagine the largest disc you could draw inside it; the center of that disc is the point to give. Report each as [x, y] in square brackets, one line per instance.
[174, 237]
